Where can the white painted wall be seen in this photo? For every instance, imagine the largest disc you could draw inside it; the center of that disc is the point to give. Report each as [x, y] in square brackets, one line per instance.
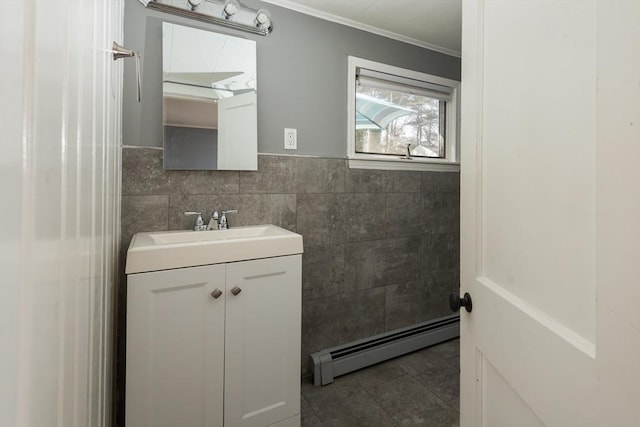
[60, 114]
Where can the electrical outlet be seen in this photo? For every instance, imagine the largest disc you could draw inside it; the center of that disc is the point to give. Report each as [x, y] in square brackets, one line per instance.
[290, 139]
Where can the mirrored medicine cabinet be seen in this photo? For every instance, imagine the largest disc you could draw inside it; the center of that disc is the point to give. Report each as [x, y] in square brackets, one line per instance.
[209, 100]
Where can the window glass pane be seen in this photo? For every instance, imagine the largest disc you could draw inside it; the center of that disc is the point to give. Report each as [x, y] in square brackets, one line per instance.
[388, 120]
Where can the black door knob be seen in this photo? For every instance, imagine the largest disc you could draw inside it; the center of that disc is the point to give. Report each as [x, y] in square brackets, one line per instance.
[455, 302]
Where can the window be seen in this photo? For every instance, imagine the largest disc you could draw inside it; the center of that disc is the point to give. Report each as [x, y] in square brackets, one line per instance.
[400, 119]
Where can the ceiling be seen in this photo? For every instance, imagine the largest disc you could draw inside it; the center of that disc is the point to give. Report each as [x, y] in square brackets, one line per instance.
[434, 24]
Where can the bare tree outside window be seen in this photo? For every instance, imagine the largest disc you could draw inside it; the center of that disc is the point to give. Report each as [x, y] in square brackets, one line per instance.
[419, 122]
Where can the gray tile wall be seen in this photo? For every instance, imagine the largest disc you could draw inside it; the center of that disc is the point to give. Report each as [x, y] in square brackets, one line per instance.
[381, 247]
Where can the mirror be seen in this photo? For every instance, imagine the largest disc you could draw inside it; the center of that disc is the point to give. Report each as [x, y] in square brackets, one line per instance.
[209, 100]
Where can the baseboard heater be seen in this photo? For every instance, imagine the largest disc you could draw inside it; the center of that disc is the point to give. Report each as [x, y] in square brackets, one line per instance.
[333, 362]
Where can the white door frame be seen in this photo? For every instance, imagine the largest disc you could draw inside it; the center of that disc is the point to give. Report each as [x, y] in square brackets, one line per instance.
[60, 223]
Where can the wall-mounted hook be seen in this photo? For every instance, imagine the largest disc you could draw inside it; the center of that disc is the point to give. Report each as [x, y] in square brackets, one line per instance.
[120, 52]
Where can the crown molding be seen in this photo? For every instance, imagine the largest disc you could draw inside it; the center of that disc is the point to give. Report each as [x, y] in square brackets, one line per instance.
[360, 26]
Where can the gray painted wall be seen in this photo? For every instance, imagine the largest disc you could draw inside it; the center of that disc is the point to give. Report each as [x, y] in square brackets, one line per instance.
[302, 83]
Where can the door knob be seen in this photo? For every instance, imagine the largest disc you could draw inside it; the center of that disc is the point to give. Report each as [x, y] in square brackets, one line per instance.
[216, 293]
[236, 290]
[455, 302]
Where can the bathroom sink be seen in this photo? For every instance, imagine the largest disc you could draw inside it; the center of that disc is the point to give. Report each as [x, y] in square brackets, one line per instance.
[187, 236]
[176, 249]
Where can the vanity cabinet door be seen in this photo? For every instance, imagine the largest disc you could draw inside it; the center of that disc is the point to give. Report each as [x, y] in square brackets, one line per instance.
[175, 347]
[262, 343]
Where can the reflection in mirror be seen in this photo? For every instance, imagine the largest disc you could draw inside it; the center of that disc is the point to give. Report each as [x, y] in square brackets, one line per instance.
[209, 100]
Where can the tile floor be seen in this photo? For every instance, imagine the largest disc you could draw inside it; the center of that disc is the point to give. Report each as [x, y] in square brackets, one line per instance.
[418, 389]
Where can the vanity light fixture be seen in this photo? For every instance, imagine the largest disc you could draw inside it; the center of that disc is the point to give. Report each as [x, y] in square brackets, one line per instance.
[218, 12]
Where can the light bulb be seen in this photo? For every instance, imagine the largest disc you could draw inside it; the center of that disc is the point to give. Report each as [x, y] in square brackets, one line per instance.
[263, 20]
[231, 7]
[194, 3]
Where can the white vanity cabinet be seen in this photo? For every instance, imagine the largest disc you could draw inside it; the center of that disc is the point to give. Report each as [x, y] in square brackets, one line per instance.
[215, 345]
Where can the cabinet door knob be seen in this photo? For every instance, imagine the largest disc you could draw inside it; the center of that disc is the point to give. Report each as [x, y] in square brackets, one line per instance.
[216, 293]
[236, 290]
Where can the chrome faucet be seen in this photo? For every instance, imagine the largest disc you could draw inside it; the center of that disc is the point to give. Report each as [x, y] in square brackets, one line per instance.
[199, 225]
[224, 224]
[214, 221]
[217, 221]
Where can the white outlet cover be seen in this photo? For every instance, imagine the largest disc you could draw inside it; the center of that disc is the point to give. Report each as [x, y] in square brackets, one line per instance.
[290, 139]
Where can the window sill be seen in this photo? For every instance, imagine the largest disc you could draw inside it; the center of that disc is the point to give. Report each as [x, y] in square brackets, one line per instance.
[409, 165]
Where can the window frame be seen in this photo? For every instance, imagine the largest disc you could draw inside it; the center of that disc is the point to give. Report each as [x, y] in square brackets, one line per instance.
[384, 161]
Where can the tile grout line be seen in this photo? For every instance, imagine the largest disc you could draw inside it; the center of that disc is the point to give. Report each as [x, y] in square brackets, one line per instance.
[373, 398]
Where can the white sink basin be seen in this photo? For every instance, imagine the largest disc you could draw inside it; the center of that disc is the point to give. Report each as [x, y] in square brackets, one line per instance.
[176, 249]
[171, 237]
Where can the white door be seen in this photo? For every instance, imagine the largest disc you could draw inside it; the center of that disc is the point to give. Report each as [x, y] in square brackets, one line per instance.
[550, 206]
[262, 342]
[175, 347]
[60, 113]
[237, 131]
